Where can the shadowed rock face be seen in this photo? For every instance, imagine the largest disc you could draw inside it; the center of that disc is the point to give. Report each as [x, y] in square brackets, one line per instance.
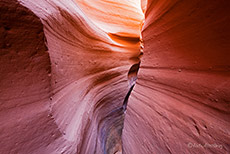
[181, 98]
[69, 68]
[24, 82]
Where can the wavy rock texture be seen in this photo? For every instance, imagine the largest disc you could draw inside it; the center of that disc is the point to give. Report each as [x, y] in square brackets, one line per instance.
[69, 67]
[181, 98]
[62, 93]
[117, 17]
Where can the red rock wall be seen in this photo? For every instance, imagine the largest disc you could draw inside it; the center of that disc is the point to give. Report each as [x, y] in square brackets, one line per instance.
[182, 94]
[65, 81]
[24, 82]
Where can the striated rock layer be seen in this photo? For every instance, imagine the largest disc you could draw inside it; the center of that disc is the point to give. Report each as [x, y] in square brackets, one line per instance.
[180, 103]
[114, 16]
[68, 70]
[62, 89]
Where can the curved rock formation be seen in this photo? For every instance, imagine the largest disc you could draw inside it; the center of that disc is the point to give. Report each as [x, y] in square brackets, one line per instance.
[180, 103]
[24, 82]
[69, 87]
[117, 17]
[69, 68]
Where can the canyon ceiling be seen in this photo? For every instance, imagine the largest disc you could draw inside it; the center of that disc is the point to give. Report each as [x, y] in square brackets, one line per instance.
[114, 76]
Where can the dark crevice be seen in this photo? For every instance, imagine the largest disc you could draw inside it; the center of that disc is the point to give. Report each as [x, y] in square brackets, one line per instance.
[125, 103]
[132, 74]
[132, 77]
[111, 125]
[197, 129]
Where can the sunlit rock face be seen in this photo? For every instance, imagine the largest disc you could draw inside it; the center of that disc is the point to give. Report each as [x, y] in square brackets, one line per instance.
[68, 68]
[180, 103]
[114, 16]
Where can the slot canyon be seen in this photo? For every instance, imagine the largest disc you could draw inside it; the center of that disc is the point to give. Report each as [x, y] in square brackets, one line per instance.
[114, 77]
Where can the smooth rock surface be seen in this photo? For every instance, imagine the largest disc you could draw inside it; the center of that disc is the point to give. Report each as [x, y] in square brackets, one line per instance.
[63, 80]
[114, 16]
[181, 101]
